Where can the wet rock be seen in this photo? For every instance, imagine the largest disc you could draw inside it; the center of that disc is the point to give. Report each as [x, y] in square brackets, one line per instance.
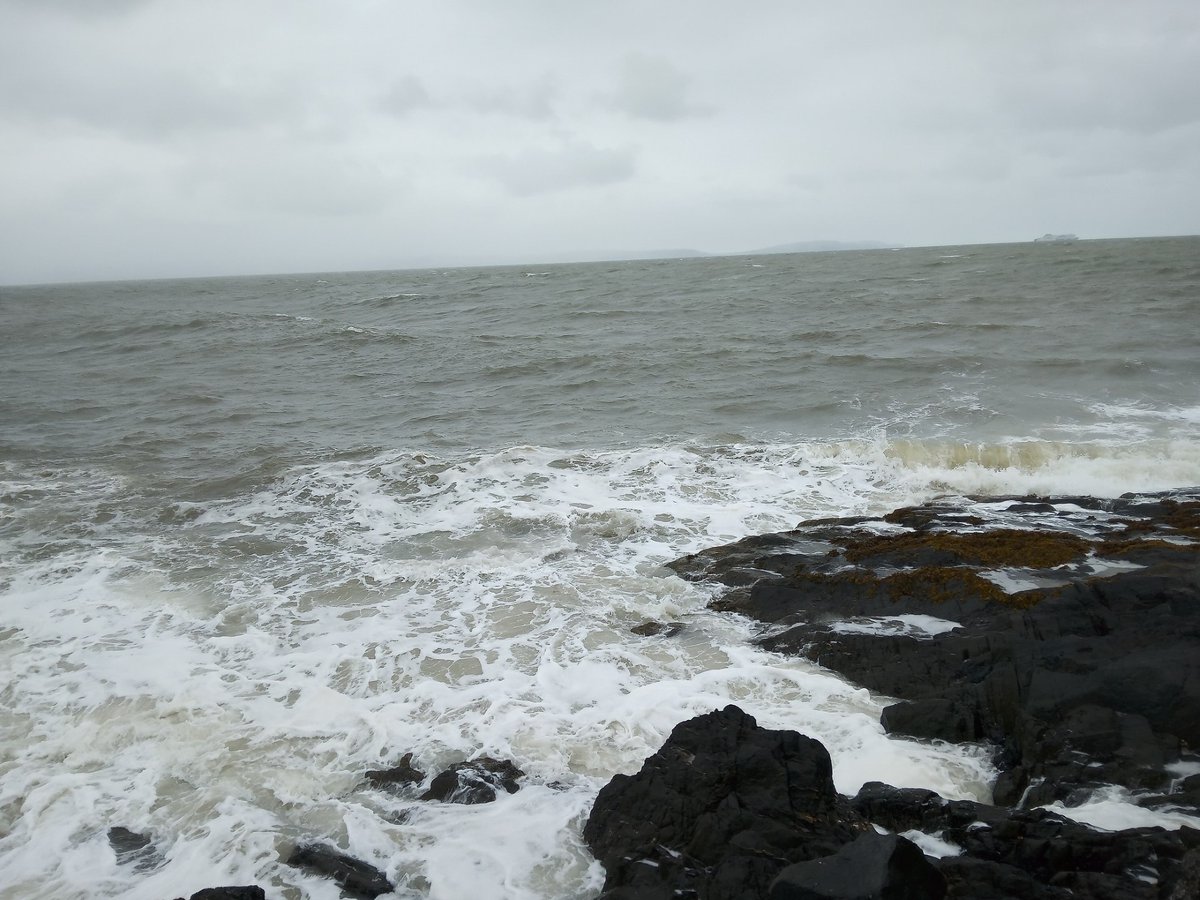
[1032, 844]
[353, 876]
[1089, 676]
[727, 810]
[650, 629]
[720, 809]
[1184, 883]
[398, 776]
[873, 865]
[133, 849]
[247, 892]
[477, 781]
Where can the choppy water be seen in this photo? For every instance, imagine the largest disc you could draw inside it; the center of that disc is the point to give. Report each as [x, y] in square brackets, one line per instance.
[260, 535]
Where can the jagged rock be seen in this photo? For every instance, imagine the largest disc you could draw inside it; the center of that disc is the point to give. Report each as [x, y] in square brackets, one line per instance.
[726, 810]
[872, 866]
[1087, 679]
[353, 876]
[720, 809]
[649, 629]
[1033, 844]
[133, 849]
[476, 781]
[396, 777]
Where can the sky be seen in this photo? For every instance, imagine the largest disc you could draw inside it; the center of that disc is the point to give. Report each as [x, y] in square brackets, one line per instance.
[160, 138]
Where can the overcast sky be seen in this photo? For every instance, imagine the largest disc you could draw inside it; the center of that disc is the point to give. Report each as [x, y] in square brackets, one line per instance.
[148, 138]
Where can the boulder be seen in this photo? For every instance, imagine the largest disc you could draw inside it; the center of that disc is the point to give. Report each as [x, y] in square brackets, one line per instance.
[720, 809]
[872, 866]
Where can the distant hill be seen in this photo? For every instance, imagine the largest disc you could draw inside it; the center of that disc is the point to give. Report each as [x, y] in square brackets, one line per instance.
[821, 247]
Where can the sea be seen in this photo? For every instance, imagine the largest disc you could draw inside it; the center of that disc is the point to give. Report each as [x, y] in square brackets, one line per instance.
[261, 535]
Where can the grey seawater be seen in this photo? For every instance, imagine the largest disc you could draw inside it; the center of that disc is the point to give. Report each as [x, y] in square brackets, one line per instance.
[974, 343]
[259, 535]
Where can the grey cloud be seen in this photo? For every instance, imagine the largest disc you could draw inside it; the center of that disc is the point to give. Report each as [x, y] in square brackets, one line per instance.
[91, 9]
[533, 102]
[405, 95]
[572, 165]
[140, 104]
[304, 181]
[653, 88]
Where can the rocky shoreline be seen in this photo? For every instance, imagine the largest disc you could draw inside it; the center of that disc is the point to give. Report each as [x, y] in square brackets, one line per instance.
[1063, 633]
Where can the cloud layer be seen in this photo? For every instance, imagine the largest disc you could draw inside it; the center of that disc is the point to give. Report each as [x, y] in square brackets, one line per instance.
[163, 137]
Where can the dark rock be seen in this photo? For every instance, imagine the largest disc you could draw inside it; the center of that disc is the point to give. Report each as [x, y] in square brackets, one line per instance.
[1184, 883]
[720, 809]
[353, 876]
[476, 781]
[1082, 681]
[649, 629]
[1031, 844]
[726, 809]
[248, 892]
[133, 849]
[872, 866]
[396, 777]
[980, 879]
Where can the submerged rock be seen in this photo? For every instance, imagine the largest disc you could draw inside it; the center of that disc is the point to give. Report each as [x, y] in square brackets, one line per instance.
[475, 781]
[399, 776]
[353, 876]
[650, 629]
[1068, 629]
[133, 849]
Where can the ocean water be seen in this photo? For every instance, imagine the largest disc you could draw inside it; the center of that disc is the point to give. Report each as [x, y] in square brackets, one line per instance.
[261, 535]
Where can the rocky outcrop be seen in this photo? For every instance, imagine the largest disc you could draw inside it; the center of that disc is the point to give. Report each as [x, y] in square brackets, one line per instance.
[1065, 631]
[719, 810]
[727, 810]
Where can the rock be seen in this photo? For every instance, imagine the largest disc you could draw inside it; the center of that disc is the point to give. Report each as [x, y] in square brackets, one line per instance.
[726, 810]
[1033, 846]
[476, 781]
[396, 777]
[133, 849]
[719, 809]
[353, 876]
[1090, 677]
[872, 866]
[1184, 883]
[249, 892]
[649, 629]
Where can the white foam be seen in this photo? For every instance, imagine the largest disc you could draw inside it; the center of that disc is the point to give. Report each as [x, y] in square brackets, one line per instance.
[908, 624]
[1114, 809]
[933, 844]
[222, 679]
